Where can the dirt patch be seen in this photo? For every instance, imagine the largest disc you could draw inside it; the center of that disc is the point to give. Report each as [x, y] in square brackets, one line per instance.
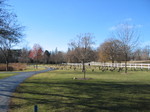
[81, 78]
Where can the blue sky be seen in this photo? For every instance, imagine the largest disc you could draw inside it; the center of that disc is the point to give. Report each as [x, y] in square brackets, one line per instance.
[53, 23]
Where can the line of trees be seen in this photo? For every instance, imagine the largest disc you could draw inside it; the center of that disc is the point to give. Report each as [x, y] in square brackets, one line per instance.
[121, 47]
[38, 55]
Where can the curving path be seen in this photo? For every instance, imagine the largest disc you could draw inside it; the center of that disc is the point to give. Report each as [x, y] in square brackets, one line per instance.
[9, 84]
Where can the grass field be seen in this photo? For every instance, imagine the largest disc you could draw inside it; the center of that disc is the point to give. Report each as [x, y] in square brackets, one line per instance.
[32, 68]
[28, 69]
[56, 91]
[4, 75]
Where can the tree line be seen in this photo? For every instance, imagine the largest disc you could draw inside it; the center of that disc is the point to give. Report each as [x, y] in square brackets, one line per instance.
[81, 49]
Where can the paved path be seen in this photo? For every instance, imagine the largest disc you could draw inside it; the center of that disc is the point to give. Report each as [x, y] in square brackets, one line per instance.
[8, 86]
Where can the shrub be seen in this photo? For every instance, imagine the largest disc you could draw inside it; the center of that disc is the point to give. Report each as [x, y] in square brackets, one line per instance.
[13, 67]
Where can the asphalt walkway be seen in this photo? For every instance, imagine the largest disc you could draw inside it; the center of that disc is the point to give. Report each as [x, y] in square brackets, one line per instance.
[9, 84]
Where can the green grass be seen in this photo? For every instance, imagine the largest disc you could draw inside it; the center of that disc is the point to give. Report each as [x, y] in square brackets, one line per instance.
[4, 75]
[32, 68]
[56, 91]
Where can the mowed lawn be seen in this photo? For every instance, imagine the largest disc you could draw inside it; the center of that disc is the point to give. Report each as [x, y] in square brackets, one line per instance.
[6, 74]
[56, 91]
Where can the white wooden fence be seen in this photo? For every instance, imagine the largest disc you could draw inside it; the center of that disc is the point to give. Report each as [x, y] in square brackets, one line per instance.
[129, 65]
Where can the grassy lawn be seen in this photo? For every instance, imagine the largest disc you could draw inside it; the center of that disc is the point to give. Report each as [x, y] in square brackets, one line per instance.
[4, 75]
[56, 91]
[32, 68]
[28, 69]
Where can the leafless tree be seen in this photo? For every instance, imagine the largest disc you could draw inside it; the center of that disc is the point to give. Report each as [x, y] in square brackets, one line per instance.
[82, 46]
[128, 36]
[142, 53]
[71, 57]
[146, 52]
[10, 33]
[24, 56]
[137, 54]
[110, 50]
[103, 55]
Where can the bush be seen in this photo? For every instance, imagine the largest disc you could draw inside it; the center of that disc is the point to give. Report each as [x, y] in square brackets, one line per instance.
[13, 67]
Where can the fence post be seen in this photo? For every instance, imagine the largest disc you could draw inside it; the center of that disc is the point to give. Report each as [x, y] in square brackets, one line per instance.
[135, 66]
[141, 66]
[35, 108]
[130, 66]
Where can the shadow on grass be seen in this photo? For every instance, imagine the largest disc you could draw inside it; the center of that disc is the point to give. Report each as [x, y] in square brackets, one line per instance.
[84, 96]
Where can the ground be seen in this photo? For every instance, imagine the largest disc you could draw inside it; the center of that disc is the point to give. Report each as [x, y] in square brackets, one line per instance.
[56, 91]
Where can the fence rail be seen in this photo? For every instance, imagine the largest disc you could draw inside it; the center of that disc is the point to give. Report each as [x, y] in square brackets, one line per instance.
[117, 65]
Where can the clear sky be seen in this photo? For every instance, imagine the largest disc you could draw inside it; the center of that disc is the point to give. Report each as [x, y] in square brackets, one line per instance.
[53, 23]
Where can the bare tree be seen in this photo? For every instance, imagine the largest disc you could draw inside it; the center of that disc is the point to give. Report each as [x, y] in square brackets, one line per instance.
[71, 57]
[110, 50]
[103, 56]
[24, 56]
[128, 36]
[146, 52]
[138, 54]
[142, 53]
[82, 46]
[10, 33]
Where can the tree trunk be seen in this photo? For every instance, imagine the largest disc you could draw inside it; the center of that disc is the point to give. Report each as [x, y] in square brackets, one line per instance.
[126, 63]
[113, 62]
[7, 57]
[7, 65]
[83, 69]
[36, 63]
[125, 66]
[7, 60]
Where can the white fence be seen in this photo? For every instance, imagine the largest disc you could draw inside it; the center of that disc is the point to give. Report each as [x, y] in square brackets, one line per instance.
[129, 65]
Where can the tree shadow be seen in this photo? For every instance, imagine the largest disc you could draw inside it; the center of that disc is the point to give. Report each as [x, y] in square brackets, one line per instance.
[84, 96]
